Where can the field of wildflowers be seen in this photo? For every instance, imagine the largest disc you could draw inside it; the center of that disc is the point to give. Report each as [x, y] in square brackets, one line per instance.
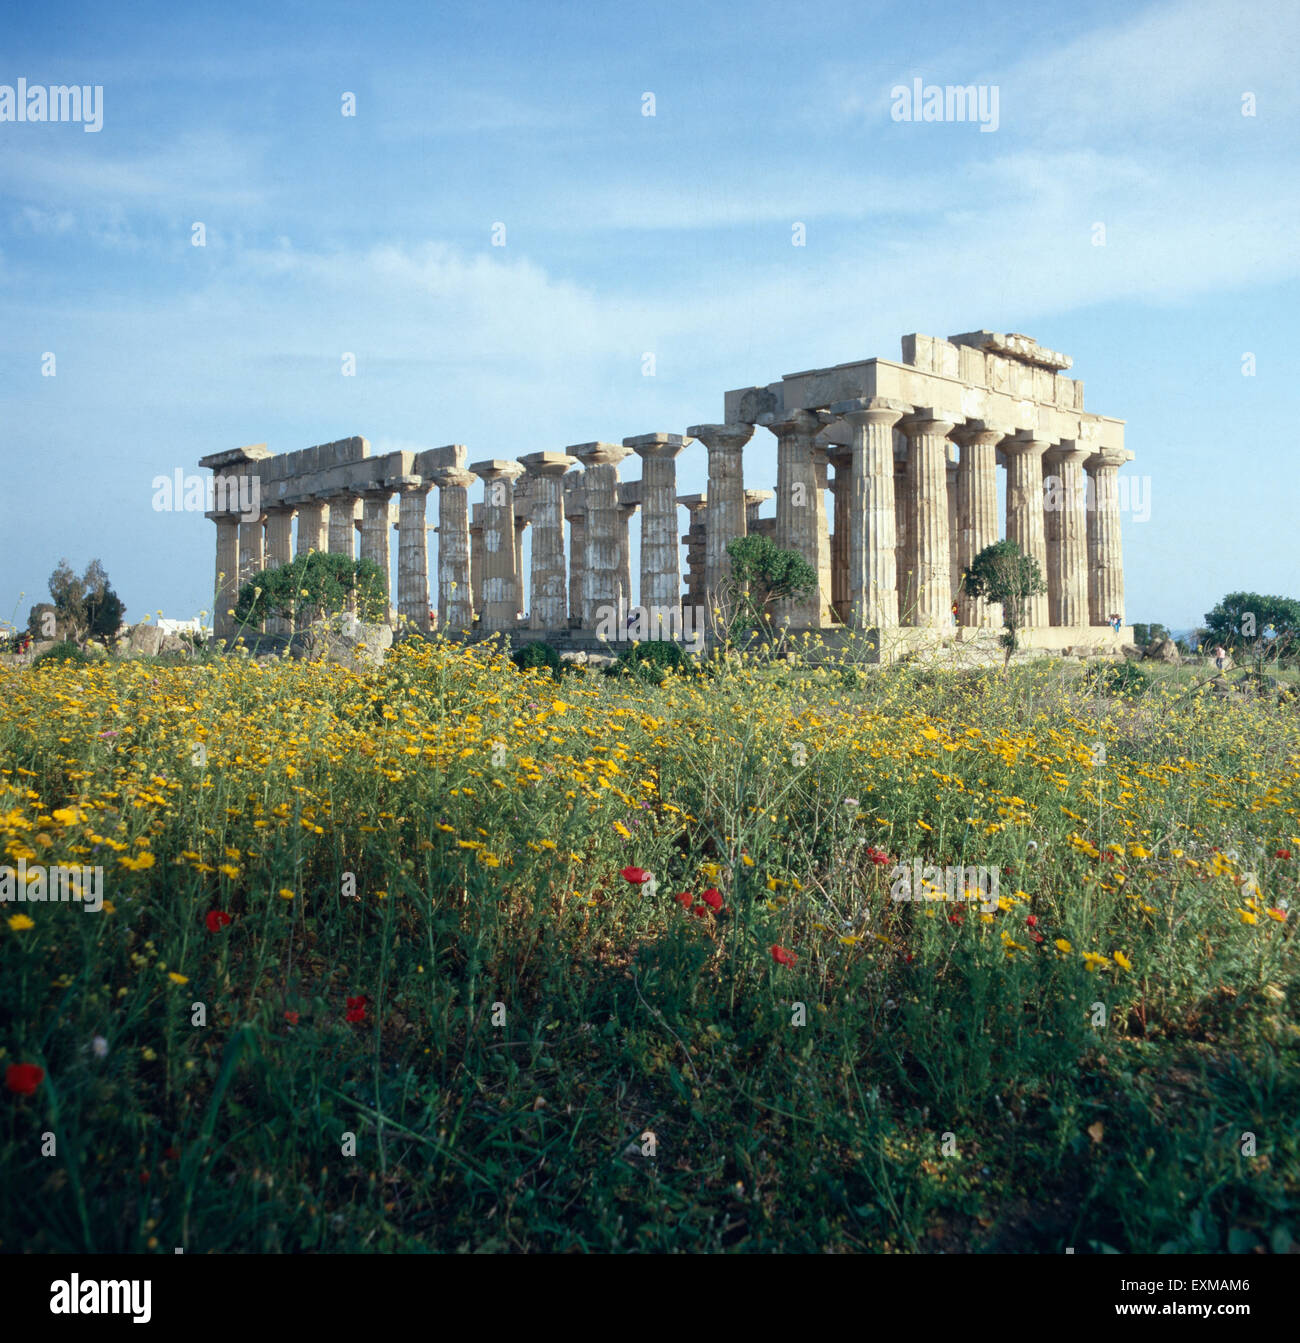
[452, 956]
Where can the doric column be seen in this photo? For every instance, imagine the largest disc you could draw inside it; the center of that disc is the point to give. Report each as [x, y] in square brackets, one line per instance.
[927, 434]
[625, 514]
[821, 463]
[548, 607]
[871, 523]
[842, 496]
[724, 499]
[343, 511]
[455, 582]
[522, 590]
[1065, 501]
[954, 569]
[661, 564]
[1025, 515]
[226, 587]
[312, 533]
[696, 540]
[1105, 548]
[279, 552]
[575, 510]
[602, 552]
[279, 535]
[905, 559]
[374, 536]
[252, 557]
[798, 504]
[754, 501]
[413, 551]
[977, 511]
[500, 582]
[476, 559]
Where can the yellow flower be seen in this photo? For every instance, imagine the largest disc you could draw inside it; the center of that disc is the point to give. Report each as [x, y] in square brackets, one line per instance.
[1093, 961]
[1123, 961]
[285, 893]
[177, 978]
[622, 830]
[1063, 945]
[20, 923]
[228, 870]
[1247, 916]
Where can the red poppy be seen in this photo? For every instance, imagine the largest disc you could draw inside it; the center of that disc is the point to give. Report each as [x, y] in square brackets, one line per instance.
[783, 957]
[291, 1018]
[1032, 920]
[958, 917]
[636, 876]
[877, 856]
[712, 898]
[1283, 853]
[357, 1008]
[684, 899]
[1038, 937]
[23, 1078]
[216, 920]
[699, 911]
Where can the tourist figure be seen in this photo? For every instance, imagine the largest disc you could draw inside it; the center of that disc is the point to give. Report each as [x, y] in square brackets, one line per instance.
[1220, 656]
[1115, 622]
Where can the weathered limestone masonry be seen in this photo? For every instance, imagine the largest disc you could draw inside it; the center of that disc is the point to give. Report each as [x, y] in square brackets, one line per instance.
[909, 452]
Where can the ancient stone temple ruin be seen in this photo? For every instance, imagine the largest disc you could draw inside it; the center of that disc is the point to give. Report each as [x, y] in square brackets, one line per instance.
[909, 452]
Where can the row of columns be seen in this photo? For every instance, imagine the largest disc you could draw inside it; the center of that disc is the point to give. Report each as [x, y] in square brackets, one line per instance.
[908, 521]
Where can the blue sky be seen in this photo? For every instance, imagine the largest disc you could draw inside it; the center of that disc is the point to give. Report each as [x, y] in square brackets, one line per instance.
[628, 234]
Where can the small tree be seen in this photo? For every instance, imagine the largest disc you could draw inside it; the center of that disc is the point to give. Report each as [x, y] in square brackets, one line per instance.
[1145, 635]
[311, 587]
[1003, 573]
[764, 574]
[84, 607]
[1250, 622]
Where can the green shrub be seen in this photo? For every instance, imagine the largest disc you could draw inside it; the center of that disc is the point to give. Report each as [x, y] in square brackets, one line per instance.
[652, 661]
[1117, 678]
[538, 654]
[66, 651]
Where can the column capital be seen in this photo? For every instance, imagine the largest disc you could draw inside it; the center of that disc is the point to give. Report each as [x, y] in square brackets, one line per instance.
[497, 468]
[1068, 451]
[547, 463]
[694, 501]
[449, 477]
[1026, 443]
[722, 435]
[870, 410]
[410, 484]
[979, 433]
[751, 496]
[658, 445]
[1107, 459]
[801, 423]
[925, 421]
[598, 453]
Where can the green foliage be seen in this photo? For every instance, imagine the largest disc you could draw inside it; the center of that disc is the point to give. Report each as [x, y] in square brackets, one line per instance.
[84, 607]
[67, 651]
[1146, 634]
[651, 661]
[1242, 620]
[1004, 574]
[765, 574]
[538, 654]
[312, 587]
[1126, 679]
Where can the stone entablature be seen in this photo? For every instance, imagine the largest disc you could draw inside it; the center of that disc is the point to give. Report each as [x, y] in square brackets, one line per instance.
[908, 451]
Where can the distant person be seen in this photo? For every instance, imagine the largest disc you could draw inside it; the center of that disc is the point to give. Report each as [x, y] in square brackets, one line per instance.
[954, 613]
[1115, 622]
[1220, 656]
